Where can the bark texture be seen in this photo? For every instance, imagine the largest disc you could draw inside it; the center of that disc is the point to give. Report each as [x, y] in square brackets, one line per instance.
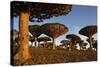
[23, 37]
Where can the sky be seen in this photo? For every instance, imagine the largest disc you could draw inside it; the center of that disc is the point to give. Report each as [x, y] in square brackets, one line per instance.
[79, 17]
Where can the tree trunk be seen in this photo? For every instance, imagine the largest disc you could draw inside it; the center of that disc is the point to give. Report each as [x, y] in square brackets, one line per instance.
[45, 43]
[31, 43]
[36, 42]
[53, 43]
[23, 37]
[71, 46]
[90, 41]
[80, 47]
[80, 44]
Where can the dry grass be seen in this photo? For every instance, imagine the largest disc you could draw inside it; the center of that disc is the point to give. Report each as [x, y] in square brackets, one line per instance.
[48, 56]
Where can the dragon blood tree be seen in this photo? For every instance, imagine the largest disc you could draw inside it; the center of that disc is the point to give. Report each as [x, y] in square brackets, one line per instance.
[35, 31]
[74, 39]
[34, 12]
[54, 30]
[89, 31]
[65, 42]
[45, 40]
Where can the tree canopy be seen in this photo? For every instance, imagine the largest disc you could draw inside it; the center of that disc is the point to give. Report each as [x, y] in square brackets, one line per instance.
[35, 30]
[67, 42]
[44, 39]
[73, 37]
[31, 39]
[85, 44]
[54, 30]
[39, 11]
[88, 30]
